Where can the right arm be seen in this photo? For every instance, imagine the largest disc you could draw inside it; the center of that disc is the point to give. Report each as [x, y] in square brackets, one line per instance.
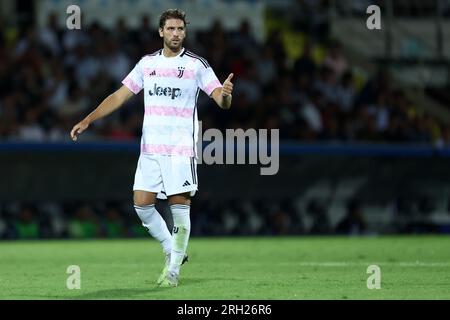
[110, 104]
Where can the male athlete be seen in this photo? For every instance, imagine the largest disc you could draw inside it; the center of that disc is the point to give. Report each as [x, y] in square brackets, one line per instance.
[171, 78]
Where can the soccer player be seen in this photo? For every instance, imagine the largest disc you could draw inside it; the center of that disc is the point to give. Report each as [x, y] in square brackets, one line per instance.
[171, 78]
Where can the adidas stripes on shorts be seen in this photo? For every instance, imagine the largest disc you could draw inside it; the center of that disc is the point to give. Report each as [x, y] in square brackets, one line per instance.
[166, 175]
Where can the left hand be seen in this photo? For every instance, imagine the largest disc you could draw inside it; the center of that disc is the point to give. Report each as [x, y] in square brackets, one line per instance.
[227, 87]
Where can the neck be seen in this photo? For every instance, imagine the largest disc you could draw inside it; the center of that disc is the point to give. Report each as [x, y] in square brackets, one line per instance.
[167, 52]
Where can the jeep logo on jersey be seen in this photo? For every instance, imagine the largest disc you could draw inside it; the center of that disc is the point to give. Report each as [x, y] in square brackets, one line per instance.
[168, 92]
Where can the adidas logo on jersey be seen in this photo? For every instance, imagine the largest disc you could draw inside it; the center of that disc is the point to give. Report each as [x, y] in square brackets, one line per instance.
[186, 184]
[153, 73]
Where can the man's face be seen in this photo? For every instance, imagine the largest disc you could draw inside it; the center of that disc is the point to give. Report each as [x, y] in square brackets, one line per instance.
[173, 33]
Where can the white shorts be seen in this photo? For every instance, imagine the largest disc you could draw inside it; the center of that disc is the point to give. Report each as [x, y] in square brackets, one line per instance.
[166, 175]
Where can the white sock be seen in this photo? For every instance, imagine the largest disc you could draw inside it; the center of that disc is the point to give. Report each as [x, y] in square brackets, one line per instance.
[180, 235]
[155, 225]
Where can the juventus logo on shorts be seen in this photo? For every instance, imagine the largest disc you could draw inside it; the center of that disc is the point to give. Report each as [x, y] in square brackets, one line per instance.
[181, 71]
[175, 229]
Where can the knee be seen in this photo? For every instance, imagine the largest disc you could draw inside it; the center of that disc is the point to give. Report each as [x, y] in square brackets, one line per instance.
[143, 200]
[141, 203]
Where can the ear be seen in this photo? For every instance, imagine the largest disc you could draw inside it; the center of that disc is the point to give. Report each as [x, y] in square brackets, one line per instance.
[161, 32]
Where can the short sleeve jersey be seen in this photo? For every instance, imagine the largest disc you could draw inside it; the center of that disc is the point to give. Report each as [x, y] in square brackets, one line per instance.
[171, 88]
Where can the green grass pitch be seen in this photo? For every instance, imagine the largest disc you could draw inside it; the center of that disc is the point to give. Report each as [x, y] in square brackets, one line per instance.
[231, 268]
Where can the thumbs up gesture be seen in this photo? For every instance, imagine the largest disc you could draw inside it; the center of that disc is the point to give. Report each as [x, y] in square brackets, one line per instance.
[227, 87]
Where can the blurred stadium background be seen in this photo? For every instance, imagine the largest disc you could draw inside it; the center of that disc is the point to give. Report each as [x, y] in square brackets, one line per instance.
[364, 116]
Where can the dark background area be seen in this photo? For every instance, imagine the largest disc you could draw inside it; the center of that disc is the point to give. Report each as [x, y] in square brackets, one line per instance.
[333, 104]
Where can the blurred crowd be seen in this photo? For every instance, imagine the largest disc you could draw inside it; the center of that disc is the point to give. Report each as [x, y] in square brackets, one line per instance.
[212, 218]
[51, 77]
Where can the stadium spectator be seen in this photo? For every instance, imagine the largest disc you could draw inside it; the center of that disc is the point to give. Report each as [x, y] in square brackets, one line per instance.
[353, 223]
[305, 65]
[84, 223]
[336, 60]
[26, 226]
[319, 215]
[113, 225]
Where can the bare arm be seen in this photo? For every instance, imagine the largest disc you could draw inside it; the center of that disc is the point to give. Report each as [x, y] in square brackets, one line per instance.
[222, 96]
[109, 105]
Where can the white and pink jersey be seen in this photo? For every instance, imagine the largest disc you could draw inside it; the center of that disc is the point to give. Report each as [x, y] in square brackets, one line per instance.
[171, 87]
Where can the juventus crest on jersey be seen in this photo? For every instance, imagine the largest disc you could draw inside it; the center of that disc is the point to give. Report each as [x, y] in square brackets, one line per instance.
[171, 86]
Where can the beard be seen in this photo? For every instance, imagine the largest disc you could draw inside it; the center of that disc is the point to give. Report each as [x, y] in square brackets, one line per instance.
[173, 47]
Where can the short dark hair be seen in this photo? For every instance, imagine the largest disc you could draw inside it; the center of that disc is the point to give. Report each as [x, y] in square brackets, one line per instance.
[172, 14]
